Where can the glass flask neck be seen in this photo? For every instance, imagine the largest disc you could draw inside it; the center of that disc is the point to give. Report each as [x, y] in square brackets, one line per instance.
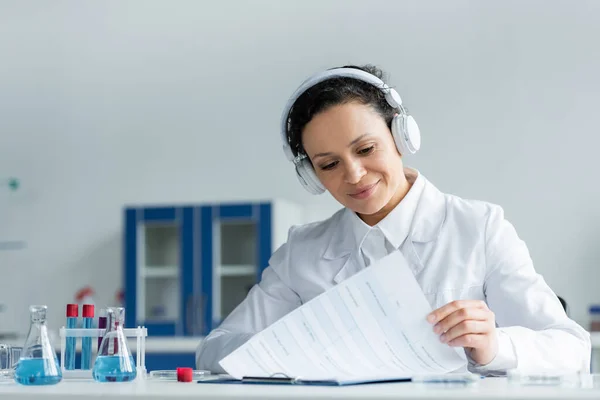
[116, 318]
[37, 314]
[38, 331]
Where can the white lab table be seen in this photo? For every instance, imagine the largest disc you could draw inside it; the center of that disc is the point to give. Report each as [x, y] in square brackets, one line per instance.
[488, 388]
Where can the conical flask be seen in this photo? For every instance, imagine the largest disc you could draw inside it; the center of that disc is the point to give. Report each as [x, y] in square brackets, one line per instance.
[38, 364]
[114, 362]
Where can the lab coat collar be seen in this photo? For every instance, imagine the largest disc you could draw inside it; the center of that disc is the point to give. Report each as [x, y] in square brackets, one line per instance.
[396, 225]
[427, 222]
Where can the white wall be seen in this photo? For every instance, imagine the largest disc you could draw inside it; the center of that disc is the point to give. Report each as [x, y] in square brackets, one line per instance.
[109, 103]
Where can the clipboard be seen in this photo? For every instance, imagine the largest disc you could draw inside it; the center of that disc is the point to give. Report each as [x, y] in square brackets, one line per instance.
[465, 379]
[281, 379]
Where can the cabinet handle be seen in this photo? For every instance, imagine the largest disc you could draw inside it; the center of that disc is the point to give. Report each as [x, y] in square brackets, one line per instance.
[199, 315]
[188, 314]
[194, 314]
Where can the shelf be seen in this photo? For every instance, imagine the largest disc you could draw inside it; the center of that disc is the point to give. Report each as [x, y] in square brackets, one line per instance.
[237, 270]
[160, 272]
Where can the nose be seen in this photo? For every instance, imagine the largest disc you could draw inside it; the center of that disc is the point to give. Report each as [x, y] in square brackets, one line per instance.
[354, 172]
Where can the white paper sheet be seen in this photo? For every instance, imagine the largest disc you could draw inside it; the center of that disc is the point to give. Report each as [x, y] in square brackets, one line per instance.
[372, 325]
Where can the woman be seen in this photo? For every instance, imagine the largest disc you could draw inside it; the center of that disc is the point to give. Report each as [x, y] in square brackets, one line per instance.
[346, 132]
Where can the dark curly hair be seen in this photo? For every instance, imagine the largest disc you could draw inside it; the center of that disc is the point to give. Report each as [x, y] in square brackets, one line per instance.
[332, 92]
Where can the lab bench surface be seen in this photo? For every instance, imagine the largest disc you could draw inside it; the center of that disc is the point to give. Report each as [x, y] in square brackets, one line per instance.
[488, 388]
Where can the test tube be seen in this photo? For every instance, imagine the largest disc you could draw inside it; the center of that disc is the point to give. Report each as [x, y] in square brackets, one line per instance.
[101, 324]
[16, 354]
[5, 357]
[86, 342]
[71, 342]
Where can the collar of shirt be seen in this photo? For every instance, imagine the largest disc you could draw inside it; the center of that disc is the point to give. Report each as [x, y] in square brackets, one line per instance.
[396, 225]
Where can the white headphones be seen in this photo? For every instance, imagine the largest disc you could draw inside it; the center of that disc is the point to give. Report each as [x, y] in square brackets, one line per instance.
[404, 127]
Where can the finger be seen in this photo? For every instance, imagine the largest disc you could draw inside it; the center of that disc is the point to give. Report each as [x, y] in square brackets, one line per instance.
[458, 316]
[475, 341]
[442, 312]
[466, 328]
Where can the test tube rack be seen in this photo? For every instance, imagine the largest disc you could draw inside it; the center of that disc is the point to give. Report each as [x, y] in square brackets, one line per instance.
[140, 333]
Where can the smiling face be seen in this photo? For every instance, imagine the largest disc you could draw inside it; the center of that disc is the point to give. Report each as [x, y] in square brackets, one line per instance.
[355, 157]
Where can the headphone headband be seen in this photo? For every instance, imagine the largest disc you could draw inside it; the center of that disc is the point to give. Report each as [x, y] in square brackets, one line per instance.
[392, 97]
[404, 129]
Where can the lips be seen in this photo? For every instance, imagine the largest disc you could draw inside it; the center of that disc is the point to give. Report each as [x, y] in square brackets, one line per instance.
[364, 191]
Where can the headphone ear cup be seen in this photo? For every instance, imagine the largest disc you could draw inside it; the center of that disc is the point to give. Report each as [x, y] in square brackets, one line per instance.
[406, 134]
[308, 178]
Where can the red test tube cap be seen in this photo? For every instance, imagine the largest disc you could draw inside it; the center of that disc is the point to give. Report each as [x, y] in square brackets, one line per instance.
[88, 311]
[72, 310]
[184, 374]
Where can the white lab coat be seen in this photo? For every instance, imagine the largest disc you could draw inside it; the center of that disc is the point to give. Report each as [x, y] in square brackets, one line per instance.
[457, 249]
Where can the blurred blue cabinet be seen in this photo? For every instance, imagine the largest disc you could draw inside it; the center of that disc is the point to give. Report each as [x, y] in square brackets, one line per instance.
[187, 267]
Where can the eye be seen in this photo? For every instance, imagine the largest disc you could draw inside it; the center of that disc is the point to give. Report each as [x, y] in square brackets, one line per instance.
[366, 151]
[329, 166]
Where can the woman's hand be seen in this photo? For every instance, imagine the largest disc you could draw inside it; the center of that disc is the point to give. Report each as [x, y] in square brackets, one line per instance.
[469, 324]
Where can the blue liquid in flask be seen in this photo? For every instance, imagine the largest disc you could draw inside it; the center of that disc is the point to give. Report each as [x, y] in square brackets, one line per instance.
[38, 364]
[114, 362]
[33, 371]
[109, 369]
